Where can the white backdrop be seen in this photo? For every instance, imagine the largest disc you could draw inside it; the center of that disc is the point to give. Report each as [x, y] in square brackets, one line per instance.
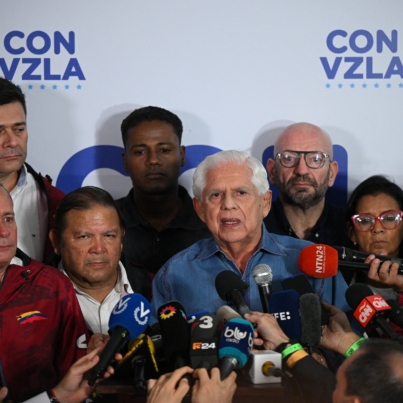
[234, 71]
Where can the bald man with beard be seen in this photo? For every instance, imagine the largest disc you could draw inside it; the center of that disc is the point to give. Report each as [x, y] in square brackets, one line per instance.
[303, 168]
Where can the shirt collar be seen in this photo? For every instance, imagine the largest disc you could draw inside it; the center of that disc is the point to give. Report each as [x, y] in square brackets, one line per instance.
[22, 181]
[267, 244]
[122, 284]
[282, 219]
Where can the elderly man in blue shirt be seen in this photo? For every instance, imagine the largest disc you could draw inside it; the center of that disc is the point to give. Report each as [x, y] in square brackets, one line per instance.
[232, 196]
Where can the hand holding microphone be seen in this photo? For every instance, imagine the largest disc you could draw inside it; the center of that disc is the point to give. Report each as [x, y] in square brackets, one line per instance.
[386, 272]
[323, 261]
[268, 333]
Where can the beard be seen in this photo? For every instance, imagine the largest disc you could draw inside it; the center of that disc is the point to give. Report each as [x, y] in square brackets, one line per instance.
[302, 198]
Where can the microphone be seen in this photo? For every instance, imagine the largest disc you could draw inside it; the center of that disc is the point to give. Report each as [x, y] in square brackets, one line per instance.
[311, 330]
[323, 261]
[128, 320]
[264, 366]
[204, 338]
[175, 334]
[263, 277]
[396, 315]
[144, 363]
[230, 287]
[351, 255]
[284, 306]
[225, 313]
[302, 286]
[370, 310]
[235, 345]
[191, 318]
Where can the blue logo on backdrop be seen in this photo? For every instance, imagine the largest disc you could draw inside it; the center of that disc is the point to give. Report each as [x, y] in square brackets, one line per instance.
[31, 56]
[362, 57]
[81, 164]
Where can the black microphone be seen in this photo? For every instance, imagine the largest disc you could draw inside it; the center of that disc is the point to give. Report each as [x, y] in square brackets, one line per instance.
[230, 287]
[396, 315]
[128, 320]
[205, 334]
[175, 334]
[370, 310]
[351, 255]
[263, 277]
[311, 330]
[355, 256]
[323, 261]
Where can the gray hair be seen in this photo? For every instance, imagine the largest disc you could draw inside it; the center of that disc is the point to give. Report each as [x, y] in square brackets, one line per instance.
[258, 172]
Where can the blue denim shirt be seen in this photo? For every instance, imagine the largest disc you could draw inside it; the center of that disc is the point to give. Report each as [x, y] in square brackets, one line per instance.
[189, 276]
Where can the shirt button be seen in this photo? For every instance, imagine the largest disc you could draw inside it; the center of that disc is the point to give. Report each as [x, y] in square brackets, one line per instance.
[158, 239]
[317, 235]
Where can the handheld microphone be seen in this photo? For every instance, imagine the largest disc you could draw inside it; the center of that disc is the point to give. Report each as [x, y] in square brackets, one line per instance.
[370, 310]
[225, 313]
[175, 334]
[284, 306]
[310, 309]
[128, 320]
[264, 366]
[230, 287]
[323, 261]
[235, 345]
[396, 316]
[191, 318]
[204, 342]
[263, 277]
[351, 255]
[144, 363]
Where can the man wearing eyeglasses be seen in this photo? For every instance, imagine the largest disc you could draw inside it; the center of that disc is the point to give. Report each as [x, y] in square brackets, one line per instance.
[303, 169]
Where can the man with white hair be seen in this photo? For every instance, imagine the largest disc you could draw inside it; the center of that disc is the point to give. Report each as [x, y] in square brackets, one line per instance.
[232, 196]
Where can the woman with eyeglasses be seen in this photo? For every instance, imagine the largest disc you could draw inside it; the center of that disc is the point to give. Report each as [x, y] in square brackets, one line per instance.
[374, 224]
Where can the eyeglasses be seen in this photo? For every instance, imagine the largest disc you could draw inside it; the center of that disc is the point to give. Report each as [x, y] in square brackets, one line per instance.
[313, 159]
[389, 220]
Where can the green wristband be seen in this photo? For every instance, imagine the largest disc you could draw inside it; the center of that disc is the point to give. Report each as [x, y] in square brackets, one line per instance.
[290, 350]
[354, 347]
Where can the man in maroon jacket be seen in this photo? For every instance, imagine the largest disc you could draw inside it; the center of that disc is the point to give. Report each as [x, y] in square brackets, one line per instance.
[42, 330]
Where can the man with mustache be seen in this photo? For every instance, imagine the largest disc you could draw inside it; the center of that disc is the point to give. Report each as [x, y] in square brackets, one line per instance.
[35, 200]
[158, 212]
[302, 168]
[87, 240]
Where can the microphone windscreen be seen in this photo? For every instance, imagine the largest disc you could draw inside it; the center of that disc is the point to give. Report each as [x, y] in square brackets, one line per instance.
[174, 331]
[262, 274]
[204, 341]
[311, 329]
[132, 312]
[206, 326]
[356, 293]
[226, 313]
[236, 341]
[228, 281]
[191, 318]
[284, 306]
[319, 261]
